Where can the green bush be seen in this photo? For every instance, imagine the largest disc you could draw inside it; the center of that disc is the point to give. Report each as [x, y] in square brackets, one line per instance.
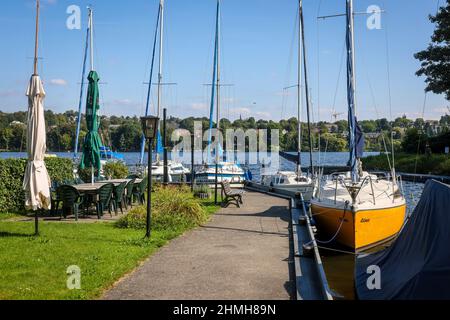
[12, 171]
[173, 208]
[86, 174]
[437, 164]
[201, 189]
[115, 170]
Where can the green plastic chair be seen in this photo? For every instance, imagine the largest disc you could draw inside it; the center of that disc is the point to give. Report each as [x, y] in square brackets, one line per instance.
[104, 199]
[71, 200]
[133, 176]
[54, 197]
[129, 193]
[119, 196]
[139, 190]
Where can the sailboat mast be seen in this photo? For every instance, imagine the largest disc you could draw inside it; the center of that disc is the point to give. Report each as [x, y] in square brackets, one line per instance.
[353, 57]
[150, 82]
[83, 74]
[218, 84]
[161, 47]
[305, 69]
[351, 91]
[299, 93]
[36, 42]
[214, 82]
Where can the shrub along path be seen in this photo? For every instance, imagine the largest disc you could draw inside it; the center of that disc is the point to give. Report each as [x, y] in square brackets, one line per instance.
[241, 254]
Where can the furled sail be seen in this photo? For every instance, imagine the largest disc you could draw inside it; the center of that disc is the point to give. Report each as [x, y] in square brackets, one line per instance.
[360, 141]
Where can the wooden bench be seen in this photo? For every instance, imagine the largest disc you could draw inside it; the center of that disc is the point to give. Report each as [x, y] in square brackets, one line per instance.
[231, 196]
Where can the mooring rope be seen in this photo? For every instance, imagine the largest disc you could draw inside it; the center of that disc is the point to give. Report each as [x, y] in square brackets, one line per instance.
[339, 229]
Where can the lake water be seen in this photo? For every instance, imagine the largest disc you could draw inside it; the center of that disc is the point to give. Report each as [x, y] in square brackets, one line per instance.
[339, 267]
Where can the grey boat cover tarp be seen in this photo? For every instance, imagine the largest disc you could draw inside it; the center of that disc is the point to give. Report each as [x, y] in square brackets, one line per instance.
[417, 265]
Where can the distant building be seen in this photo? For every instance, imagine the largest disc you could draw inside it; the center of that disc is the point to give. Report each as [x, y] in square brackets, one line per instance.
[16, 123]
[372, 135]
[433, 127]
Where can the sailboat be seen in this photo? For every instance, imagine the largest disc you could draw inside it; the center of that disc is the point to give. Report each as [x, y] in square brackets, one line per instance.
[357, 209]
[175, 171]
[291, 180]
[224, 171]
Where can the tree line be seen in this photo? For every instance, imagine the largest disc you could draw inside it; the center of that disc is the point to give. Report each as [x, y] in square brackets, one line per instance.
[124, 134]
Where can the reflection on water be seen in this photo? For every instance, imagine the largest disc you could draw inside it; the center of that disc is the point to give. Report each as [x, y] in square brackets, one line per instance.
[339, 267]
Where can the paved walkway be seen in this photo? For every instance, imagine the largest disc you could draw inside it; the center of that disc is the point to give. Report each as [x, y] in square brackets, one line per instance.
[241, 254]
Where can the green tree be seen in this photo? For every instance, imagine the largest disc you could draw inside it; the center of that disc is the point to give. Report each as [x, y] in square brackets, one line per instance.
[414, 140]
[332, 143]
[7, 135]
[436, 58]
[368, 126]
[383, 124]
[419, 124]
[402, 122]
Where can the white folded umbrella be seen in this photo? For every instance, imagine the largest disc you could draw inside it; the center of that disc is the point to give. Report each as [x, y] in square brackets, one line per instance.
[37, 181]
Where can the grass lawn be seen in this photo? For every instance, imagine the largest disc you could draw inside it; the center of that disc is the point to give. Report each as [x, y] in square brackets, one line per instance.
[35, 267]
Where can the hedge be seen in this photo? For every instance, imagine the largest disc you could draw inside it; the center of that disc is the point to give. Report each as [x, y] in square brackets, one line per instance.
[12, 197]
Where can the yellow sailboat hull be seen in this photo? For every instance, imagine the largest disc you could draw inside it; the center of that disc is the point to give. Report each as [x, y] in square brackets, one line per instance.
[360, 229]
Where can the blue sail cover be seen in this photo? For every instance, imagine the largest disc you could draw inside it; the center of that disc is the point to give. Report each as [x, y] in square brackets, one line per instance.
[360, 141]
[417, 265]
[351, 94]
[159, 144]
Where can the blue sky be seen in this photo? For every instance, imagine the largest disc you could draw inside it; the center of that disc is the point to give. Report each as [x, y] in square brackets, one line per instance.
[258, 37]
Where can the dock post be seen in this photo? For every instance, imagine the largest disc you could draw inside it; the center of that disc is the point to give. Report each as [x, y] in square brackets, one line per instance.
[166, 168]
[192, 162]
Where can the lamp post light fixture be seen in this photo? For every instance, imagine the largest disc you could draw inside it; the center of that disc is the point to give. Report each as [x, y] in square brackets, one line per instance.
[149, 128]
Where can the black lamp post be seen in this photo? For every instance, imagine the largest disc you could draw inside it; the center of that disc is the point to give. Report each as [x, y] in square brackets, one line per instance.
[149, 128]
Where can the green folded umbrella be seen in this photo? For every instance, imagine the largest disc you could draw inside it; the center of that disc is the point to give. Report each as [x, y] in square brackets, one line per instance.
[92, 142]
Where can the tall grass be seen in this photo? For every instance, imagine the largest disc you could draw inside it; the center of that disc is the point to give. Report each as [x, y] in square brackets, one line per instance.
[173, 208]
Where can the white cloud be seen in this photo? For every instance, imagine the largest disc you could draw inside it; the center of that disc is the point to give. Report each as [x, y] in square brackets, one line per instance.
[58, 82]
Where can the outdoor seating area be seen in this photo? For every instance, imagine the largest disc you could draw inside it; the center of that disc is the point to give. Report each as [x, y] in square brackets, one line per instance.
[76, 198]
